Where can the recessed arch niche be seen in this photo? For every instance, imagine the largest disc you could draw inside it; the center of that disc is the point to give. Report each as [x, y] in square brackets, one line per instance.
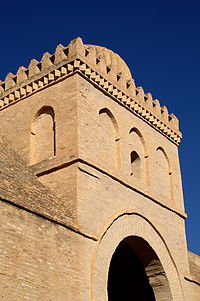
[109, 142]
[162, 174]
[138, 157]
[43, 135]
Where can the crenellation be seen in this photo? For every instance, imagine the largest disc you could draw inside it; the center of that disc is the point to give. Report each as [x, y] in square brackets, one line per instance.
[149, 100]
[76, 47]
[164, 114]
[130, 88]
[10, 81]
[2, 90]
[100, 65]
[173, 120]
[60, 54]
[140, 94]
[21, 75]
[157, 107]
[33, 68]
[91, 56]
[46, 61]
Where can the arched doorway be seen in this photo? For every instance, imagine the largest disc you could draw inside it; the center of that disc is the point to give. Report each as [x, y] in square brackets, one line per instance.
[147, 246]
[127, 278]
[135, 273]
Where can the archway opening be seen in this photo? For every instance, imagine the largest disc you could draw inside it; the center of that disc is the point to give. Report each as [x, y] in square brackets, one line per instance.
[136, 273]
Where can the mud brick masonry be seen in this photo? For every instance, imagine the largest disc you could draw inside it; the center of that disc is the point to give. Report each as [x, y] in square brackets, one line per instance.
[91, 203]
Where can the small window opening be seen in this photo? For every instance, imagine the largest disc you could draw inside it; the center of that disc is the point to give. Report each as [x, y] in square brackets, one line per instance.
[135, 165]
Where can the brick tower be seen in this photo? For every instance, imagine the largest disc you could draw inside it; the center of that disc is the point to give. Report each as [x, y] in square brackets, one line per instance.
[91, 193]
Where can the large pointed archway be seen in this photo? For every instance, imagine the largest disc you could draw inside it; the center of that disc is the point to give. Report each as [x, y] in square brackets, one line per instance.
[135, 273]
[132, 262]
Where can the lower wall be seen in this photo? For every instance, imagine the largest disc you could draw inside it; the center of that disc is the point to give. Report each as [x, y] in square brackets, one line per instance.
[40, 260]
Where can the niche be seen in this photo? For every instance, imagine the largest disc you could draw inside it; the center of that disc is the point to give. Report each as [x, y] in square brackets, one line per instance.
[138, 156]
[43, 135]
[162, 175]
[135, 165]
[109, 142]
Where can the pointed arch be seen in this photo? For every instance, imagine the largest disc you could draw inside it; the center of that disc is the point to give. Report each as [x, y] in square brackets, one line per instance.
[166, 157]
[152, 250]
[163, 174]
[43, 135]
[110, 138]
[141, 173]
[134, 129]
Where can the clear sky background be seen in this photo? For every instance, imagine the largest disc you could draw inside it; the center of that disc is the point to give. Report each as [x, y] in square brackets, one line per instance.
[159, 41]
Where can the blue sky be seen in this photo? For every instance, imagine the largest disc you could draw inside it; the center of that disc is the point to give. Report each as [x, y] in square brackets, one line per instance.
[160, 42]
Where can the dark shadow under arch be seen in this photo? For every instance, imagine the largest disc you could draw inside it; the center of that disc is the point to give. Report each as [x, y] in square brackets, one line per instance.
[136, 273]
[127, 278]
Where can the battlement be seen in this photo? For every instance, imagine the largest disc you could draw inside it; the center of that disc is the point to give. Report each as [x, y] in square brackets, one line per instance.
[103, 68]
